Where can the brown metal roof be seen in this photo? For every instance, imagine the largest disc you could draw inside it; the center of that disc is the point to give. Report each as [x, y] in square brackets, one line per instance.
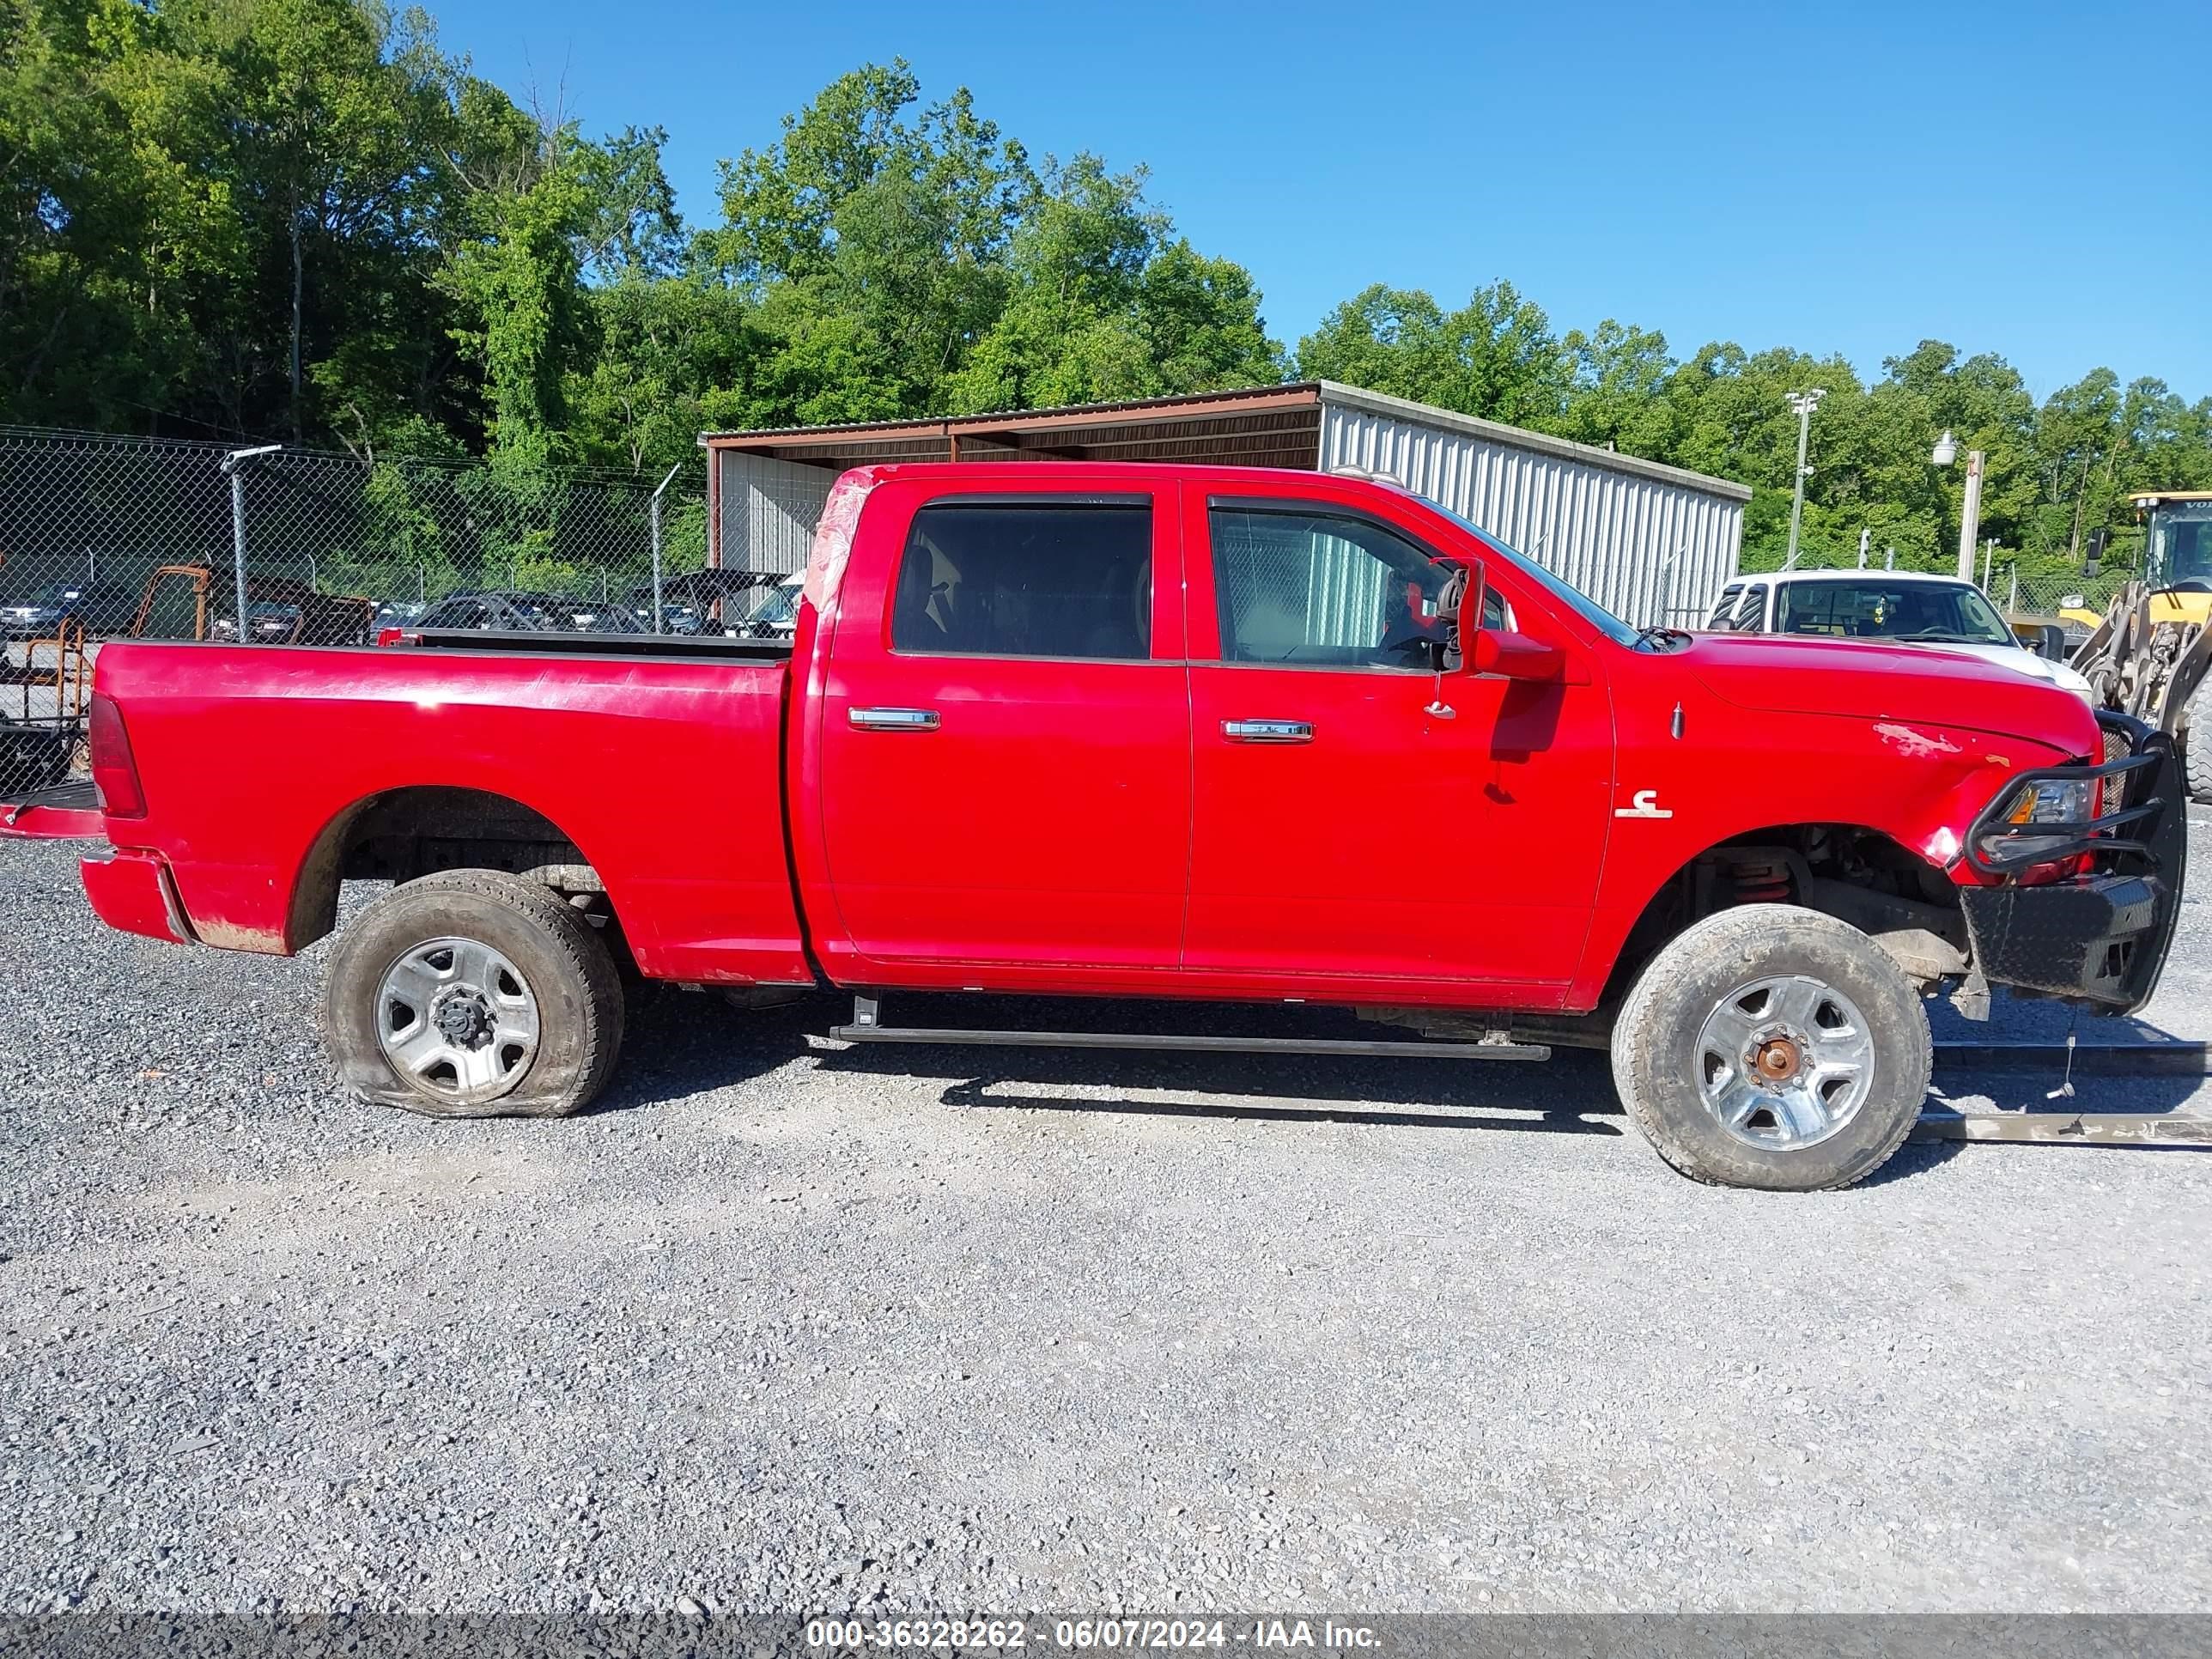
[1264, 426]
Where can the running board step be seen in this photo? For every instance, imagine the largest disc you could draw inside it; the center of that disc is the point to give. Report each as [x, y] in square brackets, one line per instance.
[865, 1030]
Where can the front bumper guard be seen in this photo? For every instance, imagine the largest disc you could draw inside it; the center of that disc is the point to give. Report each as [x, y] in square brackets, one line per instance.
[2101, 938]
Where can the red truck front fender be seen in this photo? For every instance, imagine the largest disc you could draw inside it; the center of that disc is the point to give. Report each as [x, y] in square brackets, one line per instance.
[1915, 785]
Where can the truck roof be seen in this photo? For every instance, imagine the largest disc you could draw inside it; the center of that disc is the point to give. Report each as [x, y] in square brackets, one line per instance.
[1847, 576]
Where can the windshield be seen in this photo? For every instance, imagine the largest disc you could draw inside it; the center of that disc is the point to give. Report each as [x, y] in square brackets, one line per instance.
[2181, 542]
[1938, 613]
[1580, 602]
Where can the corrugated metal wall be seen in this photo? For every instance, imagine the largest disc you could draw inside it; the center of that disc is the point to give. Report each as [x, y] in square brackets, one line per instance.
[769, 509]
[1648, 549]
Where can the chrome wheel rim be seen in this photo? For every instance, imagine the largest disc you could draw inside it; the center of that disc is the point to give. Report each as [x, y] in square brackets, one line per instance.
[1784, 1063]
[457, 1020]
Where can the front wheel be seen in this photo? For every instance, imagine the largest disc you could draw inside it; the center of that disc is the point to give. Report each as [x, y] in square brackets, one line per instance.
[1774, 1048]
[473, 993]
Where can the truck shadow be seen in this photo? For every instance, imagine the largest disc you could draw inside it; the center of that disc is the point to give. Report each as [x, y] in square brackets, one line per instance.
[990, 1091]
[682, 1045]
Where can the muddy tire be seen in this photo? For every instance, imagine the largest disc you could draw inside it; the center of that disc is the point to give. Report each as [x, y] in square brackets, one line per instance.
[2196, 749]
[1773, 1047]
[471, 993]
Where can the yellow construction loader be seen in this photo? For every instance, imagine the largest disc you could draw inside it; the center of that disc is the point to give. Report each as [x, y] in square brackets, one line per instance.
[2148, 655]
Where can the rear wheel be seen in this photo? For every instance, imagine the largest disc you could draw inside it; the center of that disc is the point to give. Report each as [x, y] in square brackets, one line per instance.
[1772, 1047]
[472, 993]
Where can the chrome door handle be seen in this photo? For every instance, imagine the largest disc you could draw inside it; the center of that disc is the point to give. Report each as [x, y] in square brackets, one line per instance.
[1268, 731]
[892, 720]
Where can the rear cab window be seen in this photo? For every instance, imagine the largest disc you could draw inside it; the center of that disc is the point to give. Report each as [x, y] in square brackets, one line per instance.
[1033, 576]
[1724, 607]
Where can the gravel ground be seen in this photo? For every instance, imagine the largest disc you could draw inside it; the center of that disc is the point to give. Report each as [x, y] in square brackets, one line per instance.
[783, 1327]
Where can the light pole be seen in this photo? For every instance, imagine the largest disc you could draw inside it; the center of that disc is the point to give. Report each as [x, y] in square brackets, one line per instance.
[1803, 403]
[232, 463]
[1970, 514]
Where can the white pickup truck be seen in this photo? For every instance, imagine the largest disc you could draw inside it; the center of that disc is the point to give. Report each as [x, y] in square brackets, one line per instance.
[1897, 607]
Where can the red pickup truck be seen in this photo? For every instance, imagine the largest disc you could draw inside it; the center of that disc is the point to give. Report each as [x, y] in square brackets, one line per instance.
[1158, 731]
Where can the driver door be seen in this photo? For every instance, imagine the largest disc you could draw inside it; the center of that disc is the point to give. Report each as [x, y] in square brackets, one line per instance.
[1358, 818]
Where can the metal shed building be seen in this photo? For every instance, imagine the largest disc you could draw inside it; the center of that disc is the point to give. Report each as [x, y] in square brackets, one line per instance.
[1651, 543]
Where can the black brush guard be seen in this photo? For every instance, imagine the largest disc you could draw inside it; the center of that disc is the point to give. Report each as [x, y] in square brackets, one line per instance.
[2099, 938]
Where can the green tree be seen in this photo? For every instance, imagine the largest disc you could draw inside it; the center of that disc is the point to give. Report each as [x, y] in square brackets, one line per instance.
[1108, 305]
[1495, 356]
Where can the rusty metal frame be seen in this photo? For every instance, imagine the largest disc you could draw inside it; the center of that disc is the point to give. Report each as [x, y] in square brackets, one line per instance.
[1012, 429]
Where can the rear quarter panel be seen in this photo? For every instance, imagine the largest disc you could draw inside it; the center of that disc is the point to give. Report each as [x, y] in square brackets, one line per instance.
[664, 773]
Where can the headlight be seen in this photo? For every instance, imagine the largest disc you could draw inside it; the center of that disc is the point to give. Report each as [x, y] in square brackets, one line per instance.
[2060, 801]
[2068, 802]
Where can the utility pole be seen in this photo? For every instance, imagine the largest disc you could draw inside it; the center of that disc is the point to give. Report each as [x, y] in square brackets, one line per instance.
[657, 494]
[1970, 514]
[1803, 404]
[232, 465]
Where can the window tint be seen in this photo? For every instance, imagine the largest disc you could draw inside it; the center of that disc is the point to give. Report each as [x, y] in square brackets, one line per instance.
[1725, 607]
[1041, 578]
[1751, 617]
[1325, 591]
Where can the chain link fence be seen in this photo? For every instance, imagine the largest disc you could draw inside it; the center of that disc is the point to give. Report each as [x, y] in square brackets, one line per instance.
[107, 538]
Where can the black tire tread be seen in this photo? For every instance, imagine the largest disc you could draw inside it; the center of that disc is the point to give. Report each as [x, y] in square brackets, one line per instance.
[2196, 749]
[1726, 932]
[566, 932]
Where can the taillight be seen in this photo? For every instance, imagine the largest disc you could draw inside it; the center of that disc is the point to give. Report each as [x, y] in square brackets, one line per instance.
[115, 773]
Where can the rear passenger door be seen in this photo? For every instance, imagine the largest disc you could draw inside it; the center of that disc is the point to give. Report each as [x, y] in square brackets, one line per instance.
[1005, 739]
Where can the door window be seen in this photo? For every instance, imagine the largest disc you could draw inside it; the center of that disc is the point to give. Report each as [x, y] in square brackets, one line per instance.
[1324, 590]
[1032, 578]
[1724, 607]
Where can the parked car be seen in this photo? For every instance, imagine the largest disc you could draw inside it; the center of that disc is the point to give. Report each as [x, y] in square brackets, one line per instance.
[521, 612]
[676, 616]
[400, 613]
[1222, 733]
[96, 607]
[716, 600]
[1897, 607]
[776, 615]
[190, 602]
[268, 623]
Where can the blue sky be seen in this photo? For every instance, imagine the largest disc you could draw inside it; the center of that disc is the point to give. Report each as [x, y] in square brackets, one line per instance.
[2032, 179]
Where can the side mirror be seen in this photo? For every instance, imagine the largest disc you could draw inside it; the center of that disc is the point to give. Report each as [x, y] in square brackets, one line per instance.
[1516, 656]
[1460, 601]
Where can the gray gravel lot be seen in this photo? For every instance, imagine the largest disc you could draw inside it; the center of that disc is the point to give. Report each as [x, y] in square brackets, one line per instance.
[784, 1328]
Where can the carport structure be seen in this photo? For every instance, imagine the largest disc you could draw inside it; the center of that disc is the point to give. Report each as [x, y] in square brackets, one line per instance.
[1653, 542]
